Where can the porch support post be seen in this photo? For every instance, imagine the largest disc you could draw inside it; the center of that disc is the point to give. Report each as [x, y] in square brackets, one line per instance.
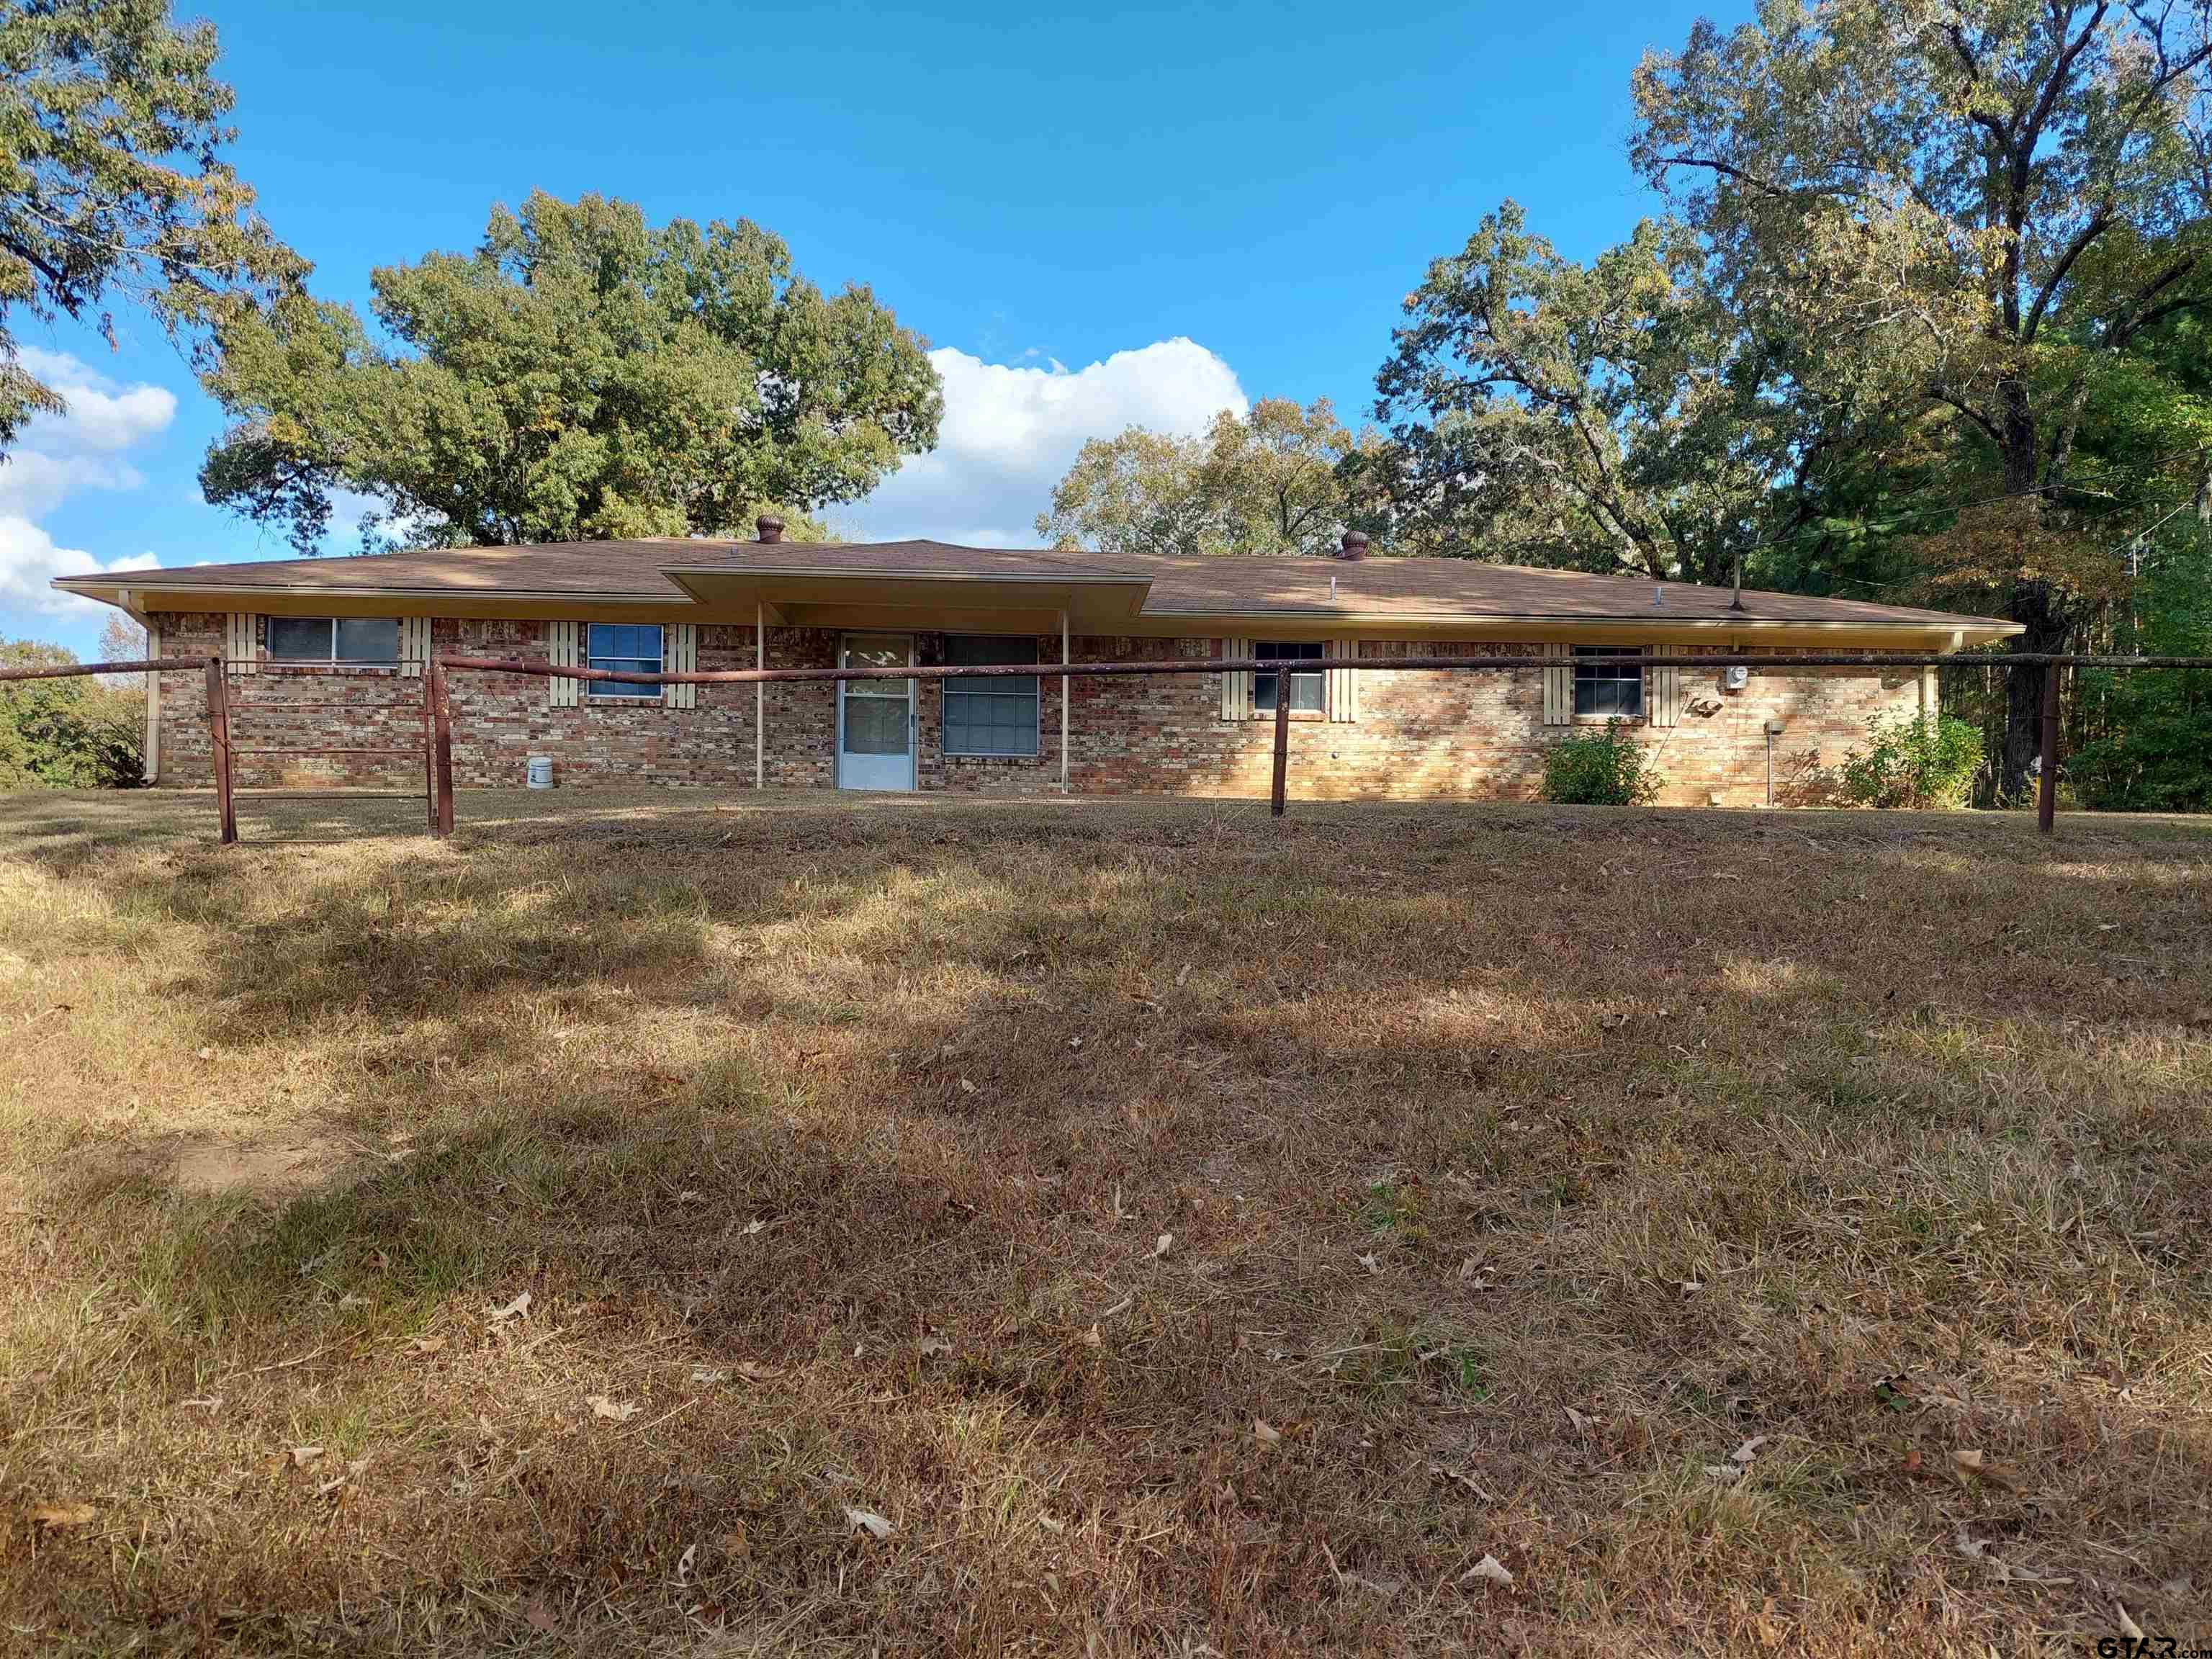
[760, 696]
[1063, 704]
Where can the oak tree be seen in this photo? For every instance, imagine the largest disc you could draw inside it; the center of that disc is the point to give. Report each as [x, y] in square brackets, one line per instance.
[580, 374]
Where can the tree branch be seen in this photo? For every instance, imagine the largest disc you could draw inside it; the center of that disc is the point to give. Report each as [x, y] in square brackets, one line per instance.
[2099, 223]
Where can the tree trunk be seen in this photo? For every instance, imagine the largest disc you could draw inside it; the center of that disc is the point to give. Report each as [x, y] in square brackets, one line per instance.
[2039, 610]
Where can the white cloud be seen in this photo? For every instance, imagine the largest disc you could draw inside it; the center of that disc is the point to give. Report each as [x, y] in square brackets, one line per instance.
[29, 560]
[59, 456]
[102, 416]
[1010, 432]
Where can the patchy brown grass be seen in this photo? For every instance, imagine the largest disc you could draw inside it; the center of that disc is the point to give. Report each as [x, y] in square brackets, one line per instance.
[1523, 1167]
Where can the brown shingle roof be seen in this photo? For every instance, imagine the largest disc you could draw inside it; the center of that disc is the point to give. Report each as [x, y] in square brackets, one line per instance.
[1381, 587]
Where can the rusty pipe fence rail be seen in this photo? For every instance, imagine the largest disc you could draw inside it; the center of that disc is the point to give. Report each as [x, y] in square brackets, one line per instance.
[223, 752]
[2050, 662]
[437, 709]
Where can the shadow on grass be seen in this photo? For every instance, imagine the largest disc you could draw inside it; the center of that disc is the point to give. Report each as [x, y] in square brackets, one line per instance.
[1439, 1113]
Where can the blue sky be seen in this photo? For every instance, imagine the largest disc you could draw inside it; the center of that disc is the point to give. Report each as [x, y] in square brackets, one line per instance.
[1144, 215]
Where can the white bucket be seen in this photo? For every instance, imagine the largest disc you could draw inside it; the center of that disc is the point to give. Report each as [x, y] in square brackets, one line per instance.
[541, 771]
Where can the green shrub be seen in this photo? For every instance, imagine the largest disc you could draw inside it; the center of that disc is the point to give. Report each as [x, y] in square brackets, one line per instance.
[1915, 762]
[1603, 768]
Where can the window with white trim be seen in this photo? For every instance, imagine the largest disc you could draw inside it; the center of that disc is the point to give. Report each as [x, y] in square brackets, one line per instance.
[363, 639]
[993, 716]
[628, 648]
[1608, 690]
[1309, 687]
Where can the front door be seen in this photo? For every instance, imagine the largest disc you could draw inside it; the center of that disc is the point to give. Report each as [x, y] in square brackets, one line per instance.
[875, 718]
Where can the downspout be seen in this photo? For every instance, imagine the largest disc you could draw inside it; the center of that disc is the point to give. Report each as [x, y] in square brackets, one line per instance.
[1063, 704]
[760, 696]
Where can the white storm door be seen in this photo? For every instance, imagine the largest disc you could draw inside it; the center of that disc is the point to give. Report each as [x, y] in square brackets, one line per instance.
[875, 718]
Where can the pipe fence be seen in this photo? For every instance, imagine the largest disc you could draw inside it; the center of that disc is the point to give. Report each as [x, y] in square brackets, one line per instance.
[438, 719]
[2050, 662]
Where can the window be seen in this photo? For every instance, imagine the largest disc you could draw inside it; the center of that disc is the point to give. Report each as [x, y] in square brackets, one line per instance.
[1610, 690]
[990, 716]
[334, 639]
[628, 648]
[1309, 686]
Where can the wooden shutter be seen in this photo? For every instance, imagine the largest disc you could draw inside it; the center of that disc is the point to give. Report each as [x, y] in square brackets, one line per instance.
[414, 646]
[1558, 685]
[1662, 694]
[1236, 683]
[682, 658]
[238, 644]
[1344, 683]
[560, 652]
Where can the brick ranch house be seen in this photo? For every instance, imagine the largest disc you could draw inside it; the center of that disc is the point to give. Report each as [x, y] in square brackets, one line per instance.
[328, 653]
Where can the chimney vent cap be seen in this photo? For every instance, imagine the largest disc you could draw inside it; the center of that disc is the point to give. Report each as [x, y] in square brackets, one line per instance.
[1354, 545]
[770, 527]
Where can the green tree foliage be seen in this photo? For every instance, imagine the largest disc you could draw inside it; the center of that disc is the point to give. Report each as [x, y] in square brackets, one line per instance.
[73, 733]
[581, 374]
[2152, 747]
[112, 181]
[1913, 763]
[1625, 415]
[1974, 205]
[1269, 482]
[1605, 767]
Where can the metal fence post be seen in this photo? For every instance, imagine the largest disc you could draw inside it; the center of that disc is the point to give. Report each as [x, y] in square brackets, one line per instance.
[2047, 793]
[429, 749]
[1282, 740]
[218, 702]
[442, 747]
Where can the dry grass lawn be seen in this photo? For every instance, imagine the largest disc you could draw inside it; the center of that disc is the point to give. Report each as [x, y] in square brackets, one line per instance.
[1188, 1234]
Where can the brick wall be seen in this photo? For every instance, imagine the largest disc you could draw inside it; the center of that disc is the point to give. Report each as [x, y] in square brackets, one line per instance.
[1419, 733]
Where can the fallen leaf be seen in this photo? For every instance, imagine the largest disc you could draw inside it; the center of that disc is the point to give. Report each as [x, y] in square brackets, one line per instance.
[1184, 975]
[689, 1196]
[753, 1372]
[1749, 1450]
[1966, 1458]
[1581, 1424]
[1369, 1262]
[869, 1522]
[1489, 1568]
[518, 1308]
[966, 1087]
[65, 1514]
[704, 1374]
[212, 1402]
[1725, 1473]
[303, 1455]
[207, 1053]
[1092, 1339]
[350, 1300]
[755, 1225]
[1265, 1432]
[425, 1343]
[614, 1412]
[1690, 1286]
[1049, 1524]
[2128, 1626]
[684, 1563]
[1912, 1460]
[539, 1617]
[1166, 1243]
[1458, 1479]
[933, 1344]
